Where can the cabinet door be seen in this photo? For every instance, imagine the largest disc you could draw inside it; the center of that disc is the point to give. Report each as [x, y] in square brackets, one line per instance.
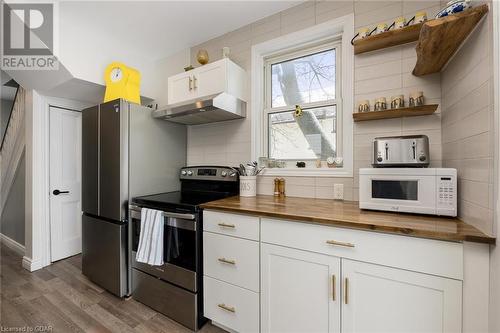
[382, 299]
[180, 88]
[210, 79]
[299, 291]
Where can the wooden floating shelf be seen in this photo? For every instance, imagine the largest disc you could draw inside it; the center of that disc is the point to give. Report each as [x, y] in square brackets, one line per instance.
[387, 39]
[396, 113]
[440, 39]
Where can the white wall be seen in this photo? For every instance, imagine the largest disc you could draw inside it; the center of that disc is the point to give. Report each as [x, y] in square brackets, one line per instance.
[12, 221]
[5, 108]
[494, 318]
[467, 125]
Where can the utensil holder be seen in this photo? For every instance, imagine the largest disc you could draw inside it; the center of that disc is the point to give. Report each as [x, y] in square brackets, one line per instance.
[248, 186]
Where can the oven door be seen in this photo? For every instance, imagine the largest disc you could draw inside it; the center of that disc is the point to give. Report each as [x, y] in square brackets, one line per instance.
[398, 193]
[180, 246]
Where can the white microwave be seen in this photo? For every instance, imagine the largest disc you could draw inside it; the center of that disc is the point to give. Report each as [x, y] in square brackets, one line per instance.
[411, 190]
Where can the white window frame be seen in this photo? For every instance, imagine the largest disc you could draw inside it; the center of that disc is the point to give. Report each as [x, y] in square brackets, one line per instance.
[333, 43]
[342, 26]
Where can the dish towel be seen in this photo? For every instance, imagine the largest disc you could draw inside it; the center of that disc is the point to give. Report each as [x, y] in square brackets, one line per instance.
[150, 250]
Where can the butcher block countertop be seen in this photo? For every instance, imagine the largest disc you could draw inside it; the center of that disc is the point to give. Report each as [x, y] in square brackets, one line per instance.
[347, 214]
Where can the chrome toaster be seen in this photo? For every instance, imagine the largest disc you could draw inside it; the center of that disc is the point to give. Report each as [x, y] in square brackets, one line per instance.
[401, 151]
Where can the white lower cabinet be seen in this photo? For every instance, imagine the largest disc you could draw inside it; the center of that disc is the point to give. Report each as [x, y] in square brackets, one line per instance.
[383, 299]
[232, 307]
[303, 291]
[323, 279]
[300, 291]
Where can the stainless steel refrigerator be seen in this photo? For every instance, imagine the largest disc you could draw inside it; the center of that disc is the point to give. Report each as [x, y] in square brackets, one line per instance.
[125, 153]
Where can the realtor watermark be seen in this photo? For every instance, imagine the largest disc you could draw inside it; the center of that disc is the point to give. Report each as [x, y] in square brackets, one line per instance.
[27, 37]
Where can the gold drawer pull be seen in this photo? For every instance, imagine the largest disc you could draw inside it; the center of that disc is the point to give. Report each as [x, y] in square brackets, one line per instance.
[224, 225]
[334, 291]
[227, 261]
[227, 308]
[346, 293]
[333, 242]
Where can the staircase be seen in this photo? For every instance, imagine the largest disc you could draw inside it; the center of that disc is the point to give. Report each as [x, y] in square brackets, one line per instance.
[12, 148]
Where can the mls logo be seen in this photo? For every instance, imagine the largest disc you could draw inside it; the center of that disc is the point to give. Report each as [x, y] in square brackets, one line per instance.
[28, 36]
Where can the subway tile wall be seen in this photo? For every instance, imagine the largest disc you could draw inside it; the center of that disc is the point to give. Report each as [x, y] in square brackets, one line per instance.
[380, 73]
[467, 125]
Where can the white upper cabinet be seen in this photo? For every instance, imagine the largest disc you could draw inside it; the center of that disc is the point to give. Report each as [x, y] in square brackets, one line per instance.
[300, 291]
[383, 299]
[214, 78]
[180, 88]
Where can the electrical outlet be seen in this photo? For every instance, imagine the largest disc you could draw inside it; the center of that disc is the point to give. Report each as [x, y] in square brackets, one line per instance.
[338, 191]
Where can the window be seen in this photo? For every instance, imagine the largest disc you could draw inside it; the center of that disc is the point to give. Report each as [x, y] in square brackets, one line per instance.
[302, 109]
[312, 68]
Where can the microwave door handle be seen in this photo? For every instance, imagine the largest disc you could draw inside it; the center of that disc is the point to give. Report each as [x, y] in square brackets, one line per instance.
[413, 146]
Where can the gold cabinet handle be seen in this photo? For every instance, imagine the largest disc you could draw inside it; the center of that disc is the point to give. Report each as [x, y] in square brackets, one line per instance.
[227, 261]
[346, 291]
[334, 291]
[225, 225]
[190, 83]
[227, 308]
[194, 82]
[334, 242]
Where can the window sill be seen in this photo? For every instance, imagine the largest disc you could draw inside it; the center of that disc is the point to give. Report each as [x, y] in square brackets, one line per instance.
[308, 172]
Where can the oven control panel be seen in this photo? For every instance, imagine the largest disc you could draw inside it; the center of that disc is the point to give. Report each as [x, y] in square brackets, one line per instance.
[209, 173]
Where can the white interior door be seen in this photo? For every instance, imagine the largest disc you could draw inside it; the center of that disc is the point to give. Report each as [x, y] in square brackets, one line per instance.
[65, 183]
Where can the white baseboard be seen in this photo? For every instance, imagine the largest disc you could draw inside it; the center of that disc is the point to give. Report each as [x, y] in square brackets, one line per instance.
[31, 265]
[12, 244]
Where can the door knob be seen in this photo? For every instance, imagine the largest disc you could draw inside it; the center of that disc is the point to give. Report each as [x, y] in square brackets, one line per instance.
[57, 192]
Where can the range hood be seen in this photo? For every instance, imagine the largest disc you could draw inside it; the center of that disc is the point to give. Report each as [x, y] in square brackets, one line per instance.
[214, 108]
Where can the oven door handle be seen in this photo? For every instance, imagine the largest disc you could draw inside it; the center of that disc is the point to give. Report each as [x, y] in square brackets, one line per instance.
[137, 210]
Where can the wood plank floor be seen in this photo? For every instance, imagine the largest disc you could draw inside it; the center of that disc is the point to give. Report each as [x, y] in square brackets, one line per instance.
[60, 299]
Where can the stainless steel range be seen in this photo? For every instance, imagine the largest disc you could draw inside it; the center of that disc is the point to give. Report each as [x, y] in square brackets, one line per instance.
[175, 289]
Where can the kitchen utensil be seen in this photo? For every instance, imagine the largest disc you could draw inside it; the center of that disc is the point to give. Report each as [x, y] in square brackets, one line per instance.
[248, 186]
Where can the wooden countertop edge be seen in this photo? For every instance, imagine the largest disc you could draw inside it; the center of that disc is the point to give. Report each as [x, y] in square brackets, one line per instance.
[442, 236]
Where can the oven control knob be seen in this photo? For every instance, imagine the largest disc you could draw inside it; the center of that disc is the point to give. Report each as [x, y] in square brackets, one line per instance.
[422, 158]
[232, 174]
[183, 172]
[223, 173]
[190, 173]
[379, 159]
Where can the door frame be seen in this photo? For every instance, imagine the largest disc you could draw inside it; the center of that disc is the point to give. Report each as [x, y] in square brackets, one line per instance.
[38, 230]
